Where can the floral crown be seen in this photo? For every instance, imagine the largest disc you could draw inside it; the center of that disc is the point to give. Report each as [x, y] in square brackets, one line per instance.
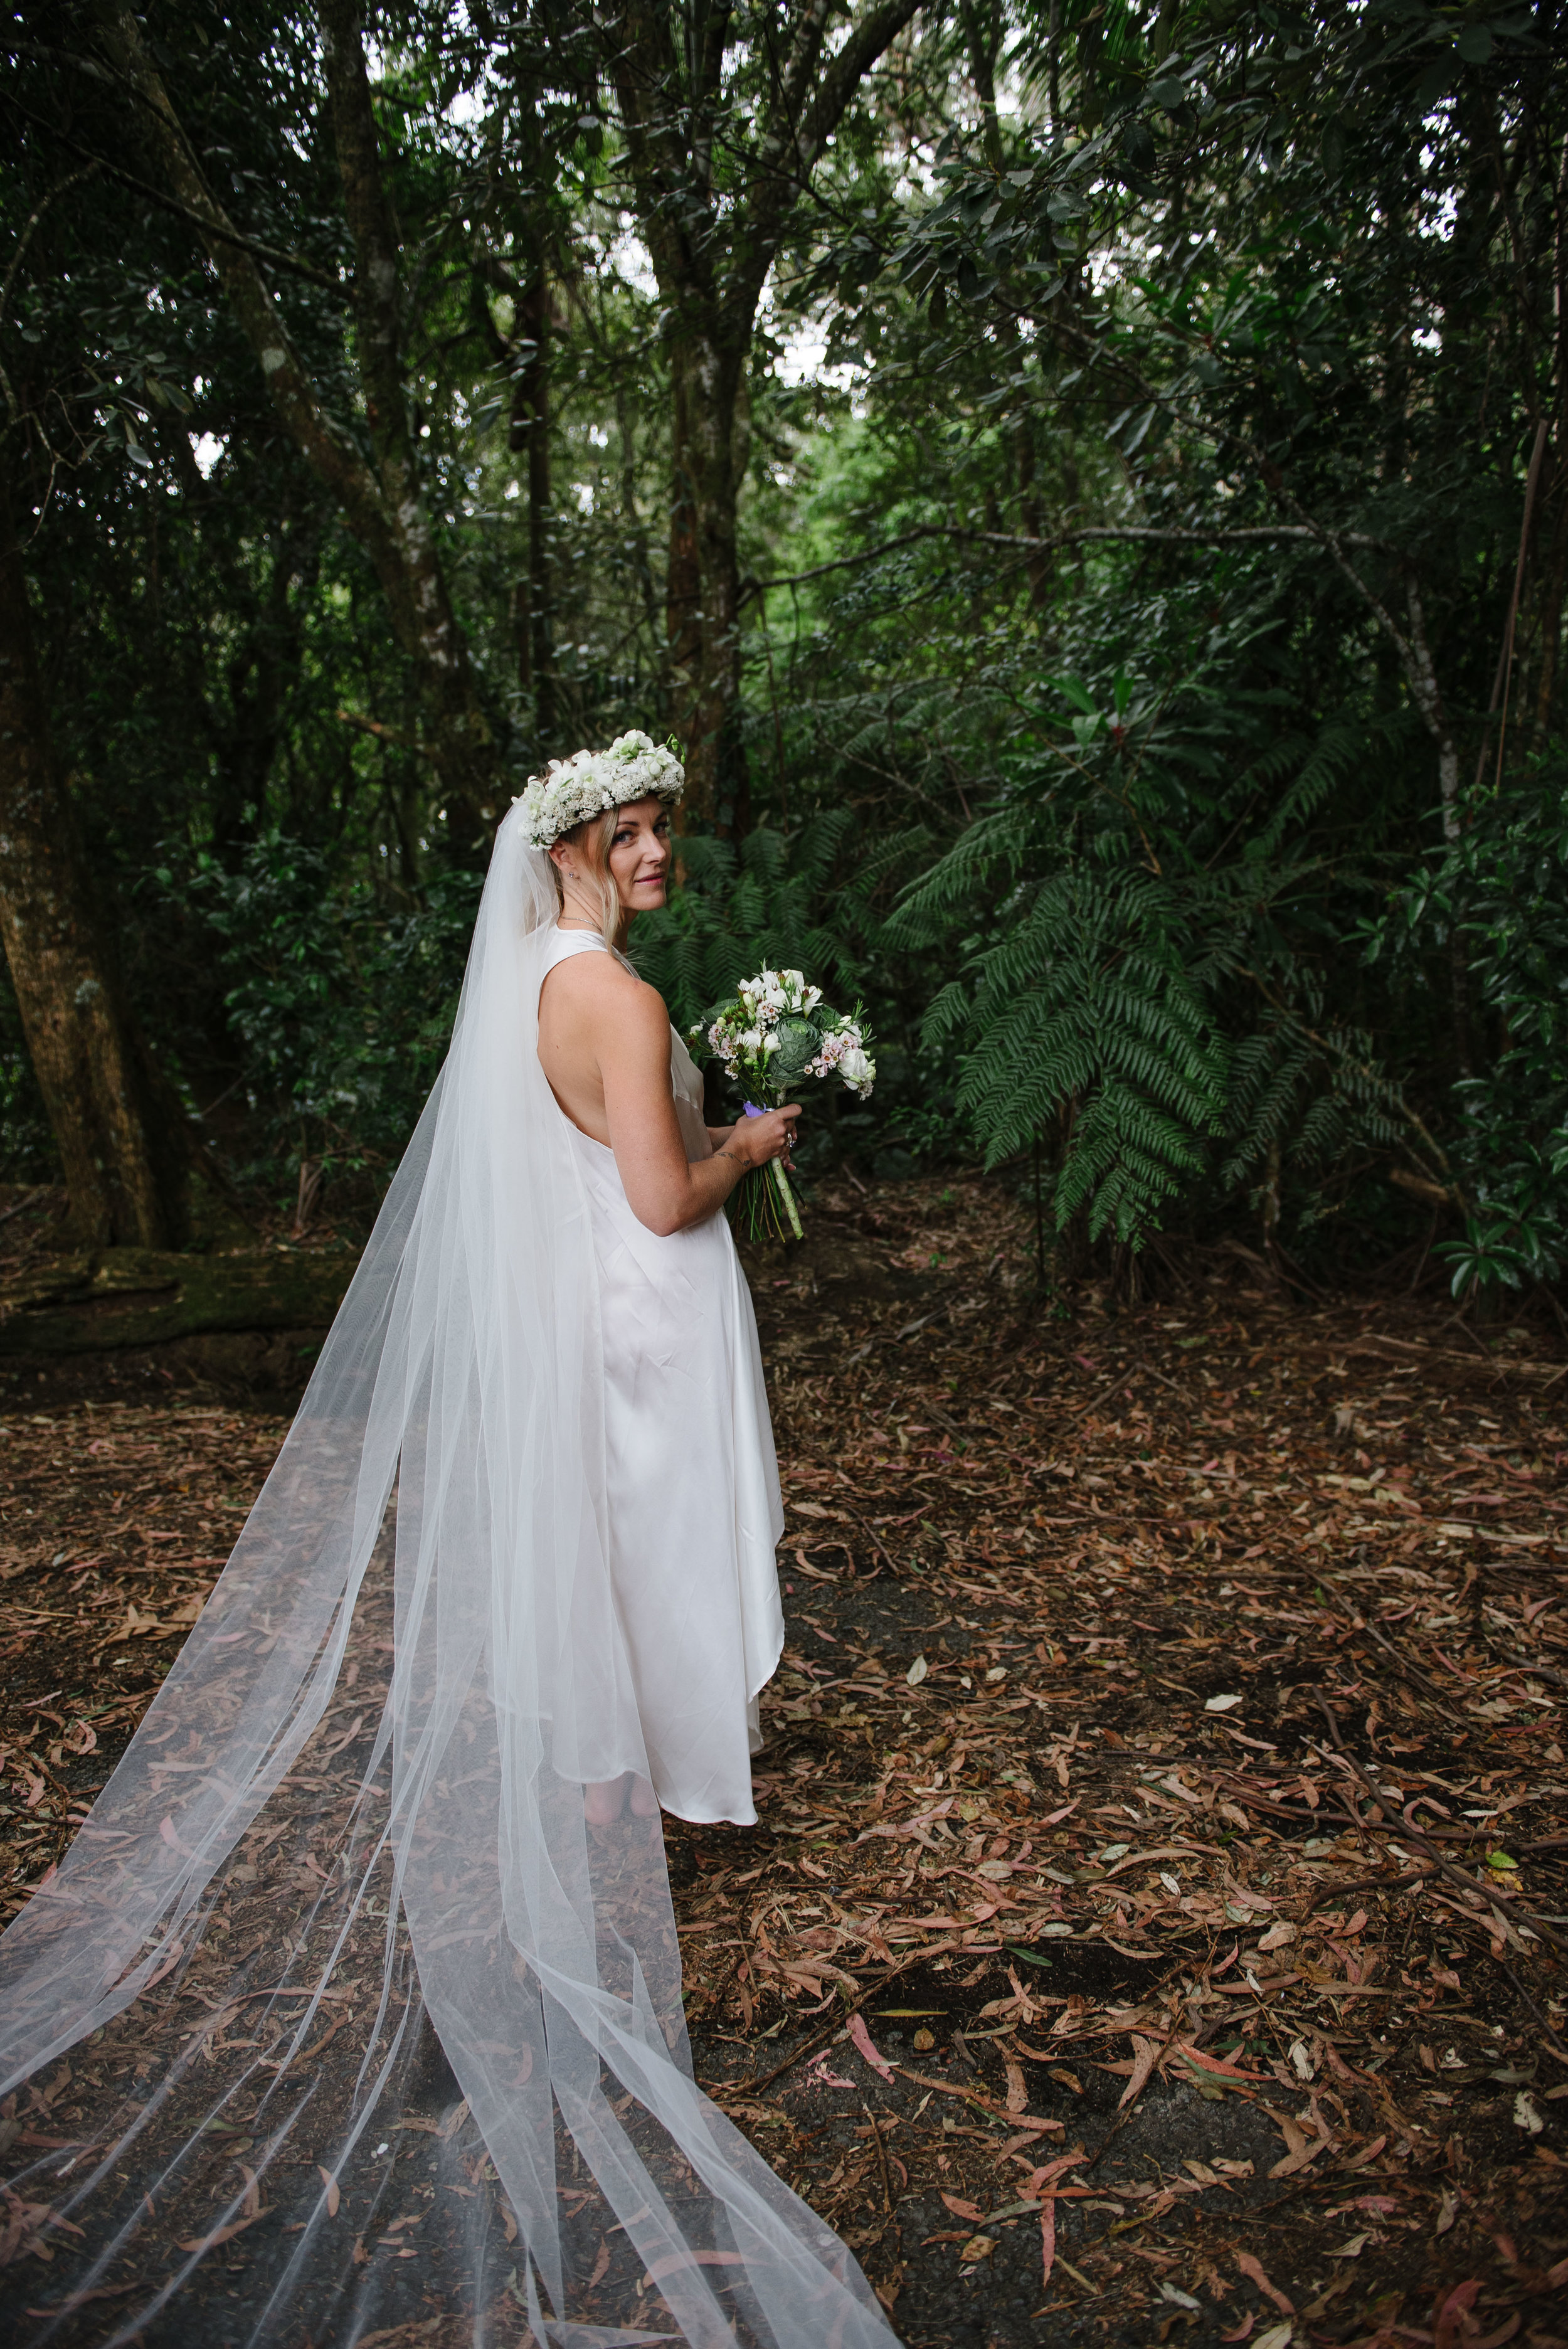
[572, 790]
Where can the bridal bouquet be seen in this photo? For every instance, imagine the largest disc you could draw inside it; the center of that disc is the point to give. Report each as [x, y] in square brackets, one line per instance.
[773, 1033]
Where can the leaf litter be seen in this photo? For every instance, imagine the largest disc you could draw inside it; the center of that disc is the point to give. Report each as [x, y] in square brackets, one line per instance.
[1154, 1927]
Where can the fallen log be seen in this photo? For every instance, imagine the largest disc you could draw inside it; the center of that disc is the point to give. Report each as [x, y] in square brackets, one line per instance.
[107, 1298]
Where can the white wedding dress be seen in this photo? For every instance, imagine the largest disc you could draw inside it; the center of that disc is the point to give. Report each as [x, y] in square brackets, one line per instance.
[691, 1499]
[520, 1539]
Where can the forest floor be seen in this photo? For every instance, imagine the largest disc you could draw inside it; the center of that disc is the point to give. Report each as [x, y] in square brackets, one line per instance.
[1154, 1927]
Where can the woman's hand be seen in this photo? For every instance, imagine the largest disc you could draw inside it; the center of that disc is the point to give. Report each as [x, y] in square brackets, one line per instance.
[754, 1140]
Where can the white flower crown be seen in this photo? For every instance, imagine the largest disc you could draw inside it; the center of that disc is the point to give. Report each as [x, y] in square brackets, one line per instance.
[590, 781]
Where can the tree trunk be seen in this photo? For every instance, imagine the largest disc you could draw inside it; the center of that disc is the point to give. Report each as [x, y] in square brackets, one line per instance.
[1037, 562]
[682, 574]
[1550, 609]
[636, 533]
[529, 433]
[126, 1164]
[703, 589]
[711, 254]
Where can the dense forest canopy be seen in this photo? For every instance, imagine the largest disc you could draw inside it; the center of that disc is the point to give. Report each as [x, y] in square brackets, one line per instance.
[1087, 486]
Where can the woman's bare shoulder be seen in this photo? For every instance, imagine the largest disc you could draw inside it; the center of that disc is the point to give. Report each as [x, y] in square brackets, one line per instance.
[601, 986]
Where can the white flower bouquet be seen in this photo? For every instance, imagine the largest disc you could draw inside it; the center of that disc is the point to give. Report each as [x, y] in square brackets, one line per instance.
[774, 1034]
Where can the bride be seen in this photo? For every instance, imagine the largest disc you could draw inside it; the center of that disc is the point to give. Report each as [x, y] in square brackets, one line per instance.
[692, 1501]
[509, 1587]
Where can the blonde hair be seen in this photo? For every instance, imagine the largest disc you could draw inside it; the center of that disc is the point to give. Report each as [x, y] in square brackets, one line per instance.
[592, 837]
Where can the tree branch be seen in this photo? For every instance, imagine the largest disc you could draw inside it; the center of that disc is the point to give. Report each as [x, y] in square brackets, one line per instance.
[801, 62]
[326, 446]
[226, 234]
[850, 67]
[383, 504]
[1270, 535]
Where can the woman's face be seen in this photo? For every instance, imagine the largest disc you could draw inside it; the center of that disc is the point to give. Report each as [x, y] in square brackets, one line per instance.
[640, 854]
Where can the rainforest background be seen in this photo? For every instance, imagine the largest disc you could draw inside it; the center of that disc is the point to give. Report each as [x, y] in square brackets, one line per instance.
[1087, 486]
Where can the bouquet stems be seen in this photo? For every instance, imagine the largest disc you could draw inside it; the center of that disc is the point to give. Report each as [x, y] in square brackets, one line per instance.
[765, 1204]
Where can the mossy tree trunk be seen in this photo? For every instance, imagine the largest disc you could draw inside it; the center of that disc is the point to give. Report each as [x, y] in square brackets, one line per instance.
[117, 1128]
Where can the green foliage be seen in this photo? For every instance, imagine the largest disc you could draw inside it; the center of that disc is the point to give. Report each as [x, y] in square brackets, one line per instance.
[342, 1007]
[1175, 407]
[1502, 888]
[1141, 920]
[779, 902]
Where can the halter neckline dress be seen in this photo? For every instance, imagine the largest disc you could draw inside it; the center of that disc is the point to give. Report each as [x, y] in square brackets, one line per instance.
[691, 1499]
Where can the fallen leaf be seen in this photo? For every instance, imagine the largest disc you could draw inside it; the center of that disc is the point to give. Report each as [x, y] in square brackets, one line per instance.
[1146, 2054]
[962, 2210]
[821, 2077]
[330, 2182]
[917, 1671]
[1250, 2267]
[1527, 2113]
[1221, 1703]
[862, 2040]
[200, 2243]
[674, 2260]
[1453, 2321]
[1303, 2148]
[978, 2247]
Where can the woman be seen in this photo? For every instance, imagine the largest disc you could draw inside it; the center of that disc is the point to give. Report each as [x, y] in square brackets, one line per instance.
[393, 1784]
[686, 1407]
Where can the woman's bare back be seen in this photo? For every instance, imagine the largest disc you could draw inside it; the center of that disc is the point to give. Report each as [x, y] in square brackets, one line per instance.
[583, 998]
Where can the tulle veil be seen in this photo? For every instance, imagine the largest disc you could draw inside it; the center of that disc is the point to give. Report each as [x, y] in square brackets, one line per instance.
[426, 1557]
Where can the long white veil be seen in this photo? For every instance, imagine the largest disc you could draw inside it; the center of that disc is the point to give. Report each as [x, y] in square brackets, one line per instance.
[355, 1810]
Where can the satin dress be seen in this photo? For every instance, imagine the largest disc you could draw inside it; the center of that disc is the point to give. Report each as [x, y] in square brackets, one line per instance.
[692, 1500]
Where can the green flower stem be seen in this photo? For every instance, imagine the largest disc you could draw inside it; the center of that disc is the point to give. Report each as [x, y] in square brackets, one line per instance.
[785, 1196]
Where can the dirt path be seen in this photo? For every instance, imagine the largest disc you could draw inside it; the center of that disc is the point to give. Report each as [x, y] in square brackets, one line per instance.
[1166, 1765]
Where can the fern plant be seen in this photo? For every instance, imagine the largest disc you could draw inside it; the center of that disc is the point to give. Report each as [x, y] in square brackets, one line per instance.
[1133, 995]
[1089, 1016]
[730, 914]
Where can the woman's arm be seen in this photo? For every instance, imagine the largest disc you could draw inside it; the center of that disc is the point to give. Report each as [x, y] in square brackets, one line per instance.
[666, 1192]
